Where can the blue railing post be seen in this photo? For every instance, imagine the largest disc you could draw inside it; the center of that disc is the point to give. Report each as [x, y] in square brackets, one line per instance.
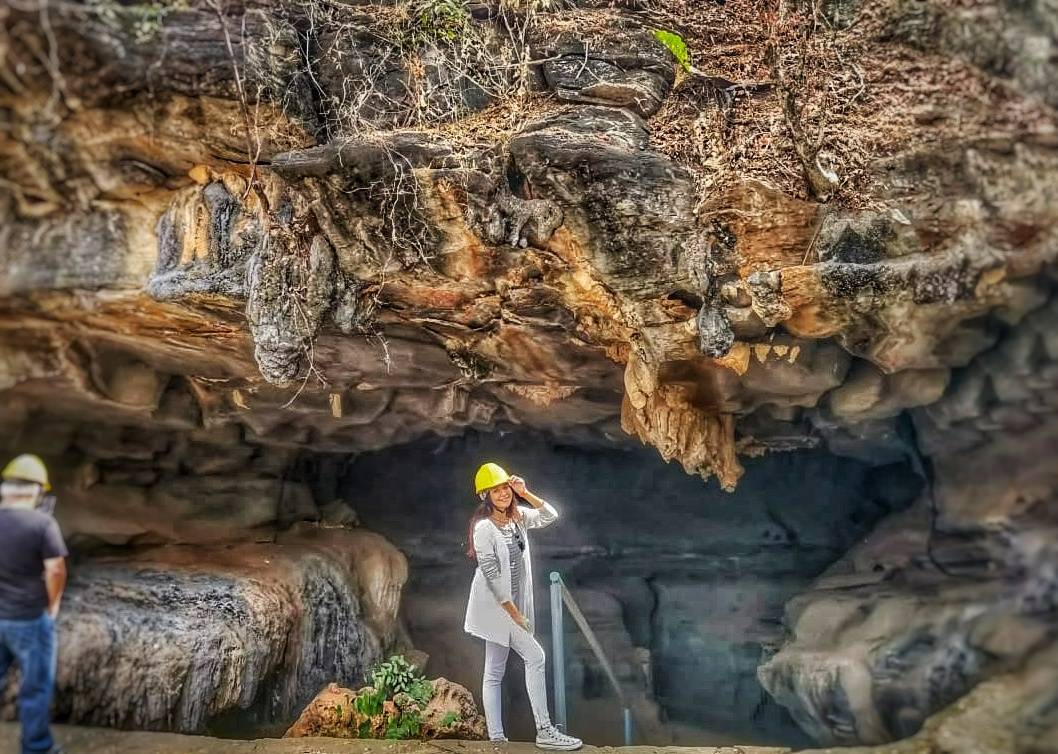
[558, 659]
[560, 596]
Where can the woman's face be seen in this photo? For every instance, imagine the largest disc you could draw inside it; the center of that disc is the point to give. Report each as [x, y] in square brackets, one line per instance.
[501, 497]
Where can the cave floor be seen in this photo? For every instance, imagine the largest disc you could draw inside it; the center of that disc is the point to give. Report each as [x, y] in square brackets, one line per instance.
[78, 740]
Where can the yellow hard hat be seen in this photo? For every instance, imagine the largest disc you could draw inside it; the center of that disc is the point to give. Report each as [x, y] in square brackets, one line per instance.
[490, 475]
[28, 468]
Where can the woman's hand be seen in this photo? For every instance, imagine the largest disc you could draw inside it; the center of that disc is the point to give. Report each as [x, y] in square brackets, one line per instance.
[517, 485]
[517, 617]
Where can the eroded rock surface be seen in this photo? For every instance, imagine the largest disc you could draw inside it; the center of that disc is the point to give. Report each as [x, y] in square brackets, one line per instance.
[525, 221]
[955, 591]
[185, 638]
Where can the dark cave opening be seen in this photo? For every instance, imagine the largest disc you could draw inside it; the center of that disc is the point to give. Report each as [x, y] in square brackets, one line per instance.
[684, 584]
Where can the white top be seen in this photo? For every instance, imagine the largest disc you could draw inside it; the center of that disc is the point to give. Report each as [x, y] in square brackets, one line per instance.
[486, 618]
[515, 538]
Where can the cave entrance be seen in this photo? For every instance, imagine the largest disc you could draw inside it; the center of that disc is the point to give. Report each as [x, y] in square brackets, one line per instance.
[684, 584]
[199, 555]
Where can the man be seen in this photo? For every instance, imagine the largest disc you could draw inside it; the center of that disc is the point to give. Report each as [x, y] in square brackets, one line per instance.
[32, 580]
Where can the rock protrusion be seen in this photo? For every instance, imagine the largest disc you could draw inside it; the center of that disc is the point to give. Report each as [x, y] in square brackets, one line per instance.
[290, 291]
[338, 712]
[171, 638]
[674, 418]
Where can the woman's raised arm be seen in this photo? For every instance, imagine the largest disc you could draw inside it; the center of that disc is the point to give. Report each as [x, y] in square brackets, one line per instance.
[542, 513]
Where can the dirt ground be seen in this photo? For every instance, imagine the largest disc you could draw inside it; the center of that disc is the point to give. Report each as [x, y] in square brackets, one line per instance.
[101, 741]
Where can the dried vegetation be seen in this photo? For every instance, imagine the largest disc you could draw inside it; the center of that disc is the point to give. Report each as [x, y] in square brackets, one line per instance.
[862, 93]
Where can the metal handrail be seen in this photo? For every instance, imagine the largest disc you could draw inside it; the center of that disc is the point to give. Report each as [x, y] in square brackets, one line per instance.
[561, 595]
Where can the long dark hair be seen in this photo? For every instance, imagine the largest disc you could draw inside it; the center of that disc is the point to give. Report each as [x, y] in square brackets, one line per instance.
[483, 511]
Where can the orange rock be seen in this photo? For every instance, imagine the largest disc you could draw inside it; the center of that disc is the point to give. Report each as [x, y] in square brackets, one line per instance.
[331, 713]
[450, 699]
[451, 713]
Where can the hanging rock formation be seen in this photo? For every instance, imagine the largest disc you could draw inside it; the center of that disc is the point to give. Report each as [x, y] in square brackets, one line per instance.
[545, 254]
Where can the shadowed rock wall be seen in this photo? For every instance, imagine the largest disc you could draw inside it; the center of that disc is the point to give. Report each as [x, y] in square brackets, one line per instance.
[959, 589]
[207, 592]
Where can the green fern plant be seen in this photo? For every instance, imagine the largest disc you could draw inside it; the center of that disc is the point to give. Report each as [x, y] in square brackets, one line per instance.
[421, 690]
[394, 676]
[408, 725]
[450, 718]
[674, 44]
[369, 703]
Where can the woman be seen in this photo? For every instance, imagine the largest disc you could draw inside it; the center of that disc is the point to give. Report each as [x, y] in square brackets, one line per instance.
[500, 609]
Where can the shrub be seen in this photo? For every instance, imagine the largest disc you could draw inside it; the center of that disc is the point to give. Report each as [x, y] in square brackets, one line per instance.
[421, 690]
[444, 20]
[394, 676]
[407, 725]
[369, 702]
[395, 679]
[674, 43]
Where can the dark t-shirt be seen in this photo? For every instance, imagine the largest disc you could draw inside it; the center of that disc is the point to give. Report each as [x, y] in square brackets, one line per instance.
[27, 539]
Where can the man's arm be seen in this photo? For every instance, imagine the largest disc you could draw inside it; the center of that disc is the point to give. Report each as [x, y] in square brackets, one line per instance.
[55, 581]
[53, 552]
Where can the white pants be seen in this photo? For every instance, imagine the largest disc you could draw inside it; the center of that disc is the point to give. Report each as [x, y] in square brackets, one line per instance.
[532, 654]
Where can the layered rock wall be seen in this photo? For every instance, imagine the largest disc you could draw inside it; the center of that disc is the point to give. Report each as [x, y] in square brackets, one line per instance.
[513, 207]
[959, 589]
[229, 638]
[207, 591]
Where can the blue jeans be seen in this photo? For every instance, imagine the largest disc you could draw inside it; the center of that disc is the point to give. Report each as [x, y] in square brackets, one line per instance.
[31, 643]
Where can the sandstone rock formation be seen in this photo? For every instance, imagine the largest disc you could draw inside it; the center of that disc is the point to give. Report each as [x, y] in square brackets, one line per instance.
[175, 638]
[334, 713]
[238, 238]
[954, 591]
[337, 211]
[1010, 714]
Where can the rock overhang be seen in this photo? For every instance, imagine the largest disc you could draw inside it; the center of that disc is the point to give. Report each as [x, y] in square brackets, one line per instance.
[568, 269]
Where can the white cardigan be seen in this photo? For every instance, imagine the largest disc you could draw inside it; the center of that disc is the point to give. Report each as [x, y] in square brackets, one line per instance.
[486, 618]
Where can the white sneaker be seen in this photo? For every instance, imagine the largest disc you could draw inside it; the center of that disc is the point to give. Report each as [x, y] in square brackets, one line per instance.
[499, 740]
[552, 738]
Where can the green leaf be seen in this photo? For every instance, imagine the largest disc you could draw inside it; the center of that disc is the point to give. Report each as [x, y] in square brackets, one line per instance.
[421, 690]
[674, 43]
[369, 704]
[409, 725]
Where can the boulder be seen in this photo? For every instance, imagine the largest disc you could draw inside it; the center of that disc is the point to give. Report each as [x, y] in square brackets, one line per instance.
[338, 712]
[175, 638]
[935, 601]
[452, 713]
